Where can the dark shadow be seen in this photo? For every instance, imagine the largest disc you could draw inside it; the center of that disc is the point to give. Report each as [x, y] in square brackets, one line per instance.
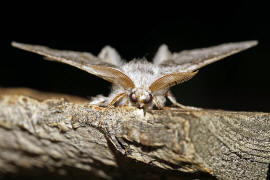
[133, 169]
[65, 173]
[268, 173]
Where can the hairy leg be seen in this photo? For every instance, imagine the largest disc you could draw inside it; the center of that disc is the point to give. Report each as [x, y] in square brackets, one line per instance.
[98, 100]
[116, 98]
[157, 103]
[109, 132]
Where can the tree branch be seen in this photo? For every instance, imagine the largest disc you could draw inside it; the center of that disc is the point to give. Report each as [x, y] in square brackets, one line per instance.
[43, 131]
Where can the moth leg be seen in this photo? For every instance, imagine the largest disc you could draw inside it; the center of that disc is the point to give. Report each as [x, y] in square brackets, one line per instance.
[170, 96]
[118, 97]
[98, 100]
[115, 99]
[110, 133]
[113, 139]
[157, 103]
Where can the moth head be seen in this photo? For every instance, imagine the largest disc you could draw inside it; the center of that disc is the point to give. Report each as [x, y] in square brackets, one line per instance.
[143, 97]
[140, 97]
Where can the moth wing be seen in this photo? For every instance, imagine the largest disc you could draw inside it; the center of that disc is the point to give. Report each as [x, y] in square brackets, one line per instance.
[169, 80]
[82, 60]
[190, 60]
[110, 55]
[66, 56]
[162, 54]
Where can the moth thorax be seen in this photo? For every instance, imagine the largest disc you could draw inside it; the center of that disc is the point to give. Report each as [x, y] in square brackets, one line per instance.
[140, 96]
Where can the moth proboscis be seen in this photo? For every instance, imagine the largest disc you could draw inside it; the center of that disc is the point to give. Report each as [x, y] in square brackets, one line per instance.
[139, 82]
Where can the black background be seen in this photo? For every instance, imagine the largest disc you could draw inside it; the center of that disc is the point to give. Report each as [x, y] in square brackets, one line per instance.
[239, 82]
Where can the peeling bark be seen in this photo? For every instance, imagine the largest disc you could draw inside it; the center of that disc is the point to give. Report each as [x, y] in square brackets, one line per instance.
[60, 134]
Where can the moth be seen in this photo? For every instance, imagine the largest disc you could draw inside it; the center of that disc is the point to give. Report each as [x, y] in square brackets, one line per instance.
[139, 82]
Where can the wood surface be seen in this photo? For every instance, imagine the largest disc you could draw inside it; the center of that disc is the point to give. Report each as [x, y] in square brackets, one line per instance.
[44, 134]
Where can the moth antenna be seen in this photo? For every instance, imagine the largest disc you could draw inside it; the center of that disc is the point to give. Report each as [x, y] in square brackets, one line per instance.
[113, 75]
[169, 80]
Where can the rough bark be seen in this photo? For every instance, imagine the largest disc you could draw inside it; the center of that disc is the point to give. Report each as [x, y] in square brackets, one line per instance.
[43, 133]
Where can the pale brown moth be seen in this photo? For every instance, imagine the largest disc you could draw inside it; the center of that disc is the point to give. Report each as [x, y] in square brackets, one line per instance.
[138, 82]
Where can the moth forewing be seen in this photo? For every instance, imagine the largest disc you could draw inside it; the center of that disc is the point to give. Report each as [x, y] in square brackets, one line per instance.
[84, 61]
[218, 53]
[191, 60]
[65, 56]
[169, 80]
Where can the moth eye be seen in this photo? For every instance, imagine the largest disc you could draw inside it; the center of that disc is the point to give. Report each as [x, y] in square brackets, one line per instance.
[133, 97]
[148, 99]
